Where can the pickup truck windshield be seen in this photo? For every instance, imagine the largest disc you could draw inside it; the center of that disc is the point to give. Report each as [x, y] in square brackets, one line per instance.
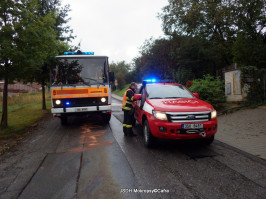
[79, 71]
[167, 92]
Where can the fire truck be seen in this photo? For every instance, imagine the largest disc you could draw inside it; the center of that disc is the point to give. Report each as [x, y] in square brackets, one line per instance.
[170, 111]
[80, 85]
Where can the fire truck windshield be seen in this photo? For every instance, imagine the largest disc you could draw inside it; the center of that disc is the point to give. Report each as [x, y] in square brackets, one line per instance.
[87, 70]
[159, 91]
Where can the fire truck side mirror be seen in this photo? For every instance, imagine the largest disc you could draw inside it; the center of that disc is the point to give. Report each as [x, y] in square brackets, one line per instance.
[111, 77]
[196, 95]
[137, 96]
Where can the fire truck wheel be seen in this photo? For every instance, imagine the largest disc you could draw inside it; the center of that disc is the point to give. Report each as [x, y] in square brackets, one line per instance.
[208, 141]
[148, 137]
[64, 120]
[106, 117]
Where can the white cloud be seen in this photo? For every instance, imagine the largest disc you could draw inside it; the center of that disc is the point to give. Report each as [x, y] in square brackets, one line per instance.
[116, 28]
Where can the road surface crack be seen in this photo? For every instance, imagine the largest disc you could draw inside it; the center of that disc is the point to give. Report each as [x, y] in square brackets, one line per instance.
[41, 163]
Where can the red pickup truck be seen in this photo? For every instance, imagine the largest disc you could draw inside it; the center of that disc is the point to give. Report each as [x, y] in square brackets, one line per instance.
[171, 111]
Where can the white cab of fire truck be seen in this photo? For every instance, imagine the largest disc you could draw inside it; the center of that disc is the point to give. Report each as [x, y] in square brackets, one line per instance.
[81, 84]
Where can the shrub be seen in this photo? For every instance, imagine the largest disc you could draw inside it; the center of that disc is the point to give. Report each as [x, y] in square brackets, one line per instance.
[211, 90]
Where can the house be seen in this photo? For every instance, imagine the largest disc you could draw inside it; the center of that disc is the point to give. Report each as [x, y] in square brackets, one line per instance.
[19, 87]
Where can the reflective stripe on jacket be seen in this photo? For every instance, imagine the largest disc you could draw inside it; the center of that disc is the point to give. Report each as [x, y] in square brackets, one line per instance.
[128, 98]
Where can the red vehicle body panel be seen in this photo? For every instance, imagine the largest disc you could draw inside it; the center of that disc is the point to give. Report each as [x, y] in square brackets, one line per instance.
[174, 129]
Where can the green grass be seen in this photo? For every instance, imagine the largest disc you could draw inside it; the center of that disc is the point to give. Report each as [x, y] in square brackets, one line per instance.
[23, 111]
[121, 92]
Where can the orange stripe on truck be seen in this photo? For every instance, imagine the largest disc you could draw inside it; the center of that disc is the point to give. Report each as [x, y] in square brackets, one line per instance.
[79, 92]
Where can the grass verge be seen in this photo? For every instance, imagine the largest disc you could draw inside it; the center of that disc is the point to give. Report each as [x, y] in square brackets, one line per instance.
[121, 92]
[23, 111]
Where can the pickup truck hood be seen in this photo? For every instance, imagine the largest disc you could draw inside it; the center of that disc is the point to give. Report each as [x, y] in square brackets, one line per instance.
[180, 105]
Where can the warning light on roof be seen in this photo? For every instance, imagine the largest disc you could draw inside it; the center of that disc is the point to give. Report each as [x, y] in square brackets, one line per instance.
[150, 80]
[76, 53]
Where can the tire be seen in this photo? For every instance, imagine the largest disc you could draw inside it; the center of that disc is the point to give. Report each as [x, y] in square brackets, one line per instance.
[64, 120]
[208, 141]
[106, 118]
[149, 139]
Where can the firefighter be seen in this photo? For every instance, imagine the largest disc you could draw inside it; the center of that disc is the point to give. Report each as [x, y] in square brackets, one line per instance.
[128, 108]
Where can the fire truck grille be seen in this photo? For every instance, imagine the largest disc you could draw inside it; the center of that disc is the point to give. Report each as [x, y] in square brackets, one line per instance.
[81, 102]
[188, 116]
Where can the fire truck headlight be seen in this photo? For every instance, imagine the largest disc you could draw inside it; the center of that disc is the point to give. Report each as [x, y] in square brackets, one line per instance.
[213, 114]
[103, 100]
[159, 115]
[58, 102]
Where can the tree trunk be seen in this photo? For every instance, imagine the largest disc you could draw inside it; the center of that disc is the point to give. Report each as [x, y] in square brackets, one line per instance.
[43, 96]
[4, 110]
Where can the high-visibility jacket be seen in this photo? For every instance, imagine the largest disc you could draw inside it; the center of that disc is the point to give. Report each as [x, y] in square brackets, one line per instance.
[128, 99]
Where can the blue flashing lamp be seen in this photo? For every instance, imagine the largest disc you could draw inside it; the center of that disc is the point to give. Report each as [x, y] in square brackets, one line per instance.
[87, 53]
[79, 53]
[151, 80]
[67, 103]
[70, 53]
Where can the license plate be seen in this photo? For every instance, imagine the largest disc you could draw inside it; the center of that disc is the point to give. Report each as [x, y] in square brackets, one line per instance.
[192, 126]
[81, 109]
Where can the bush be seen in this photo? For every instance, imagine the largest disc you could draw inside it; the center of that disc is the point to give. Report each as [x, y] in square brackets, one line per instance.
[211, 90]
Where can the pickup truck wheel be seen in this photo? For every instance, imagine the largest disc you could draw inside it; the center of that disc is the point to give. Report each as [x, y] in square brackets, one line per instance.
[63, 120]
[148, 137]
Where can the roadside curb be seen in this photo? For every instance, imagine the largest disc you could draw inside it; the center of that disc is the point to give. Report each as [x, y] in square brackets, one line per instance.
[249, 155]
[231, 110]
[117, 97]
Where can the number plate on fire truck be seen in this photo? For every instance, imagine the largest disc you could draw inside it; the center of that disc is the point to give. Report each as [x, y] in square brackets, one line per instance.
[192, 126]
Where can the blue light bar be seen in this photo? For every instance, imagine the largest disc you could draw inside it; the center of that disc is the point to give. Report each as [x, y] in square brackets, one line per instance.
[75, 53]
[87, 53]
[150, 80]
[70, 53]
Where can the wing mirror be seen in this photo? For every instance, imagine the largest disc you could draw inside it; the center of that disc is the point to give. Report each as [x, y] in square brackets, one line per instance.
[137, 96]
[196, 95]
[111, 77]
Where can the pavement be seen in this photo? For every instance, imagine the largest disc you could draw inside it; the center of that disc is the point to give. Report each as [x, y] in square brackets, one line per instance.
[244, 130]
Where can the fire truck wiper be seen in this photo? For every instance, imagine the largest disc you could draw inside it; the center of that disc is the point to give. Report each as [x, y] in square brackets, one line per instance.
[96, 81]
[88, 84]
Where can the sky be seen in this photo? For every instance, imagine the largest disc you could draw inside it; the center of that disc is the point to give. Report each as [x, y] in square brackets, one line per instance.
[115, 28]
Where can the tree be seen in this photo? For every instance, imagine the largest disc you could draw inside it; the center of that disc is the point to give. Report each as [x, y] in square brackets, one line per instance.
[155, 60]
[220, 21]
[63, 35]
[121, 70]
[9, 16]
[27, 40]
[181, 58]
[212, 20]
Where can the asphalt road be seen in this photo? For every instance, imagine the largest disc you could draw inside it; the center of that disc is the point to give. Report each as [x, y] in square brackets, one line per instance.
[90, 159]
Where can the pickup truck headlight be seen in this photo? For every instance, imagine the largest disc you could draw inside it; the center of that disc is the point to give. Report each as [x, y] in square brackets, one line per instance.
[213, 114]
[159, 115]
